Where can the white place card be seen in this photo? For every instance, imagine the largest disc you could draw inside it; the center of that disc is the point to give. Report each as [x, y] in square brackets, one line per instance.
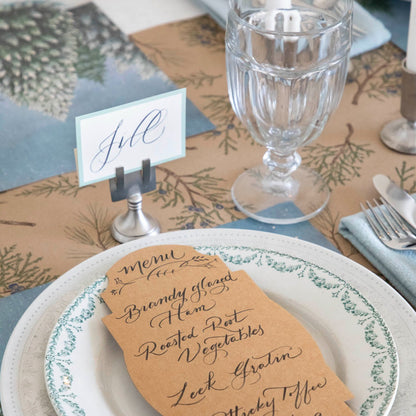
[152, 128]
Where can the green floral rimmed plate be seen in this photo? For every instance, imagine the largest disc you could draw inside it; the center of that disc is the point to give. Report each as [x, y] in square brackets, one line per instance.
[85, 371]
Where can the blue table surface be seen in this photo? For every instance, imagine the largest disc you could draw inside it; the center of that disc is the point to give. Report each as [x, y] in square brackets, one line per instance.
[396, 20]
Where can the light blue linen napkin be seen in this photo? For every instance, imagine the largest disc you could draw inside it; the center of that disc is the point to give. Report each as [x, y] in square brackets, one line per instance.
[399, 267]
[372, 31]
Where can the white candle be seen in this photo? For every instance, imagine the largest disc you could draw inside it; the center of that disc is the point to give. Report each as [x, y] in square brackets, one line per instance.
[291, 18]
[278, 4]
[272, 6]
[411, 40]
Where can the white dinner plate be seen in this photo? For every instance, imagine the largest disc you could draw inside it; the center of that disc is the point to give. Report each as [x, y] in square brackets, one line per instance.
[22, 385]
[85, 370]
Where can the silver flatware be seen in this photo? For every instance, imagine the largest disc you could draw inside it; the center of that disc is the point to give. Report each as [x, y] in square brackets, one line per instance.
[388, 226]
[401, 201]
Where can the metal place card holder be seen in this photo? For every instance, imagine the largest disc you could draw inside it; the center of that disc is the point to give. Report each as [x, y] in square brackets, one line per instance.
[134, 223]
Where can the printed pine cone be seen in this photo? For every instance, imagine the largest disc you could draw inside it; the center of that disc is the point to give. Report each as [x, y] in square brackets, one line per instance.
[38, 56]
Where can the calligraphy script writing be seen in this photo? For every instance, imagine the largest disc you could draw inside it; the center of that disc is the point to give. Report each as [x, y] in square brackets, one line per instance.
[251, 368]
[163, 265]
[268, 406]
[212, 346]
[186, 397]
[176, 300]
[166, 263]
[221, 333]
[299, 394]
[148, 130]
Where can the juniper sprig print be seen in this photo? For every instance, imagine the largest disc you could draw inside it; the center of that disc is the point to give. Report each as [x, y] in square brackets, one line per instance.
[202, 31]
[19, 271]
[339, 163]
[407, 177]
[158, 54]
[196, 80]
[200, 194]
[229, 131]
[376, 74]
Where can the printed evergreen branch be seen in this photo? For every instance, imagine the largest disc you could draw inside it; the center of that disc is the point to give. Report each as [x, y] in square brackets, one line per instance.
[19, 271]
[203, 31]
[93, 231]
[157, 54]
[196, 80]
[228, 128]
[18, 223]
[62, 185]
[407, 175]
[194, 185]
[199, 193]
[205, 215]
[339, 163]
[377, 73]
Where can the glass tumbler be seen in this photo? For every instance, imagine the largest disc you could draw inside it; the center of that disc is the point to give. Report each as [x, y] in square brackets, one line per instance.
[286, 69]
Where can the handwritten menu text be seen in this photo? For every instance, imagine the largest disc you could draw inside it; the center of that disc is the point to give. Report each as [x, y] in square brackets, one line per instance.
[201, 339]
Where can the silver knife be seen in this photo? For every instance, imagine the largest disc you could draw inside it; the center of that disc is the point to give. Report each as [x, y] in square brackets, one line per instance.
[404, 204]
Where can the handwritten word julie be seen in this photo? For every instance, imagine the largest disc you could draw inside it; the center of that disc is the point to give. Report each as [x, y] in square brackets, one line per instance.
[148, 130]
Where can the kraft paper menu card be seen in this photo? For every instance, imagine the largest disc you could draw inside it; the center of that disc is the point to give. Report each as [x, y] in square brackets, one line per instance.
[199, 339]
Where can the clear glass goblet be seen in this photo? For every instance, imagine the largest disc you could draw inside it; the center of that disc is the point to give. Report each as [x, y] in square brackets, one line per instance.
[286, 68]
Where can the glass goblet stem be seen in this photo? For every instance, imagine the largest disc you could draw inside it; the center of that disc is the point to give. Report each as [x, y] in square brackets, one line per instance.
[281, 166]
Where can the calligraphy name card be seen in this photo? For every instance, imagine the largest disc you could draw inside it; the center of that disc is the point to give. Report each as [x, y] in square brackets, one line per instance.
[199, 339]
[123, 136]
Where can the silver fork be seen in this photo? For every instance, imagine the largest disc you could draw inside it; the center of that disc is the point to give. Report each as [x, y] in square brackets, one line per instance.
[389, 226]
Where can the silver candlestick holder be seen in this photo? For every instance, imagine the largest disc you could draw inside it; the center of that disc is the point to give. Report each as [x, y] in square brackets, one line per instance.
[400, 134]
[134, 223]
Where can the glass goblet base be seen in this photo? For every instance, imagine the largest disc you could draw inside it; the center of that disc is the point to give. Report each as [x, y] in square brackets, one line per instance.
[298, 198]
[400, 135]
